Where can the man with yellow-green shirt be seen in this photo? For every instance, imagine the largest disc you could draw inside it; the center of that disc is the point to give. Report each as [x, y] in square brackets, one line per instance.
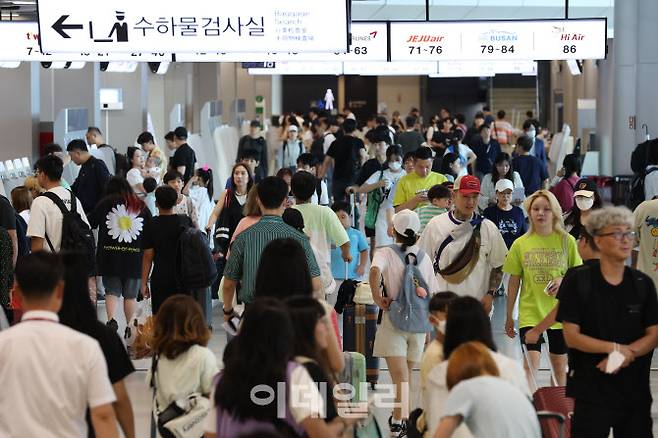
[411, 190]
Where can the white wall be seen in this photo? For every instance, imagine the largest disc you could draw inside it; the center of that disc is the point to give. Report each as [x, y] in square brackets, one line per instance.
[15, 113]
[400, 93]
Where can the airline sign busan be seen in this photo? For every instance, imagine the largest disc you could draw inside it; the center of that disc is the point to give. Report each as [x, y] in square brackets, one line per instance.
[193, 25]
[499, 40]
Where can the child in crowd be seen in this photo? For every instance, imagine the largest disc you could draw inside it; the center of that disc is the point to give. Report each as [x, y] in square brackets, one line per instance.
[408, 162]
[509, 218]
[184, 204]
[200, 190]
[440, 198]
[154, 167]
[150, 184]
[308, 163]
[433, 354]
[358, 247]
[293, 218]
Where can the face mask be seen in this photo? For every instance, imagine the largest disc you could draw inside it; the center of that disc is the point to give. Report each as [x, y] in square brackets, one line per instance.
[441, 327]
[584, 204]
[395, 166]
[532, 134]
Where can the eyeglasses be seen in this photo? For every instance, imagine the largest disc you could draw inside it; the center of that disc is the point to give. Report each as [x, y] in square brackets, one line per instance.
[620, 235]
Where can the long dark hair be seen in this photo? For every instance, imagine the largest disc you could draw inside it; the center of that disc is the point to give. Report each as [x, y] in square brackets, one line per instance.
[206, 177]
[259, 356]
[119, 189]
[447, 160]
[502, 156]
[77, 311]
[305, 312]
[467, 321]
[573, 218]
[275, 278]
[251, 177]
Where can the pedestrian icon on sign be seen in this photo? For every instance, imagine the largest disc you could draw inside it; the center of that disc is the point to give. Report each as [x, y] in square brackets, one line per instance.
[120, 27]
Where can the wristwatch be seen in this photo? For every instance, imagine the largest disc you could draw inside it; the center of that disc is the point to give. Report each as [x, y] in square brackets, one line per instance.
[227, 312]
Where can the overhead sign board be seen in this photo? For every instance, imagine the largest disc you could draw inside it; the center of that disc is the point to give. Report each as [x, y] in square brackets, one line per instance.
[420, 68]
[499, 40]
[369, 43]
[301, 68]
[194, 25]
[21, 43]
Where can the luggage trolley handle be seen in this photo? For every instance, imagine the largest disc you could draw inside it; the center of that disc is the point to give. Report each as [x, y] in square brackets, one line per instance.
[549, 415]
[354, 207]
[530, 368]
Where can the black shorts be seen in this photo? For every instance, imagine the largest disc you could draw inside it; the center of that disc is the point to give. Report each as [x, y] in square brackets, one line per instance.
[556, 344]
[594, 420]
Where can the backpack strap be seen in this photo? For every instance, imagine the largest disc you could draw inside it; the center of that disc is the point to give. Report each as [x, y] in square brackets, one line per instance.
[476, 222]
[62, 208]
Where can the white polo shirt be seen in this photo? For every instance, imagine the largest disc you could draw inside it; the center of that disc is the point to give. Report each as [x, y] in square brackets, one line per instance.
[49, 375]
[492, 253]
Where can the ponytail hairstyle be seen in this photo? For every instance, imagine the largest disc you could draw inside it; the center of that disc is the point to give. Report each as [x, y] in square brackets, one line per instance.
[205, 173]
[407, 239]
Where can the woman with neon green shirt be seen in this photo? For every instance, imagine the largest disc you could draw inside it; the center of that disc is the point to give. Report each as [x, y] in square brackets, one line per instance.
[537, 261]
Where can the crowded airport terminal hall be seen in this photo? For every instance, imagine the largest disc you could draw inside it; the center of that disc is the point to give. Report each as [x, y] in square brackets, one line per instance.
[328, 218]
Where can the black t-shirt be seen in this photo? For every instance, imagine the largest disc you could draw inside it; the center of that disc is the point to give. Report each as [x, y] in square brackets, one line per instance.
[161, 234]
[511, 224]
[184, 156]
[7, 214]
[319, 376]
[369, 167]
[410, 141]
[120, 233]
[89, 186]
[119, 365]
[611, 313]
[346, 155]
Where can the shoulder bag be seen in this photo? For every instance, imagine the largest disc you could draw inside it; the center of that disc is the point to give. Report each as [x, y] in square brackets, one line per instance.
[183, 418]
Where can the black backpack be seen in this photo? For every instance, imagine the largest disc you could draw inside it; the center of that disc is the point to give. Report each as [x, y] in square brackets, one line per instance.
[194, 263]
[637, 188]
[76, 233]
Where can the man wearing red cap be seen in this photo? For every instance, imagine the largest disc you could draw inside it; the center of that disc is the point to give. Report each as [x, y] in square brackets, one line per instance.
[468, 250]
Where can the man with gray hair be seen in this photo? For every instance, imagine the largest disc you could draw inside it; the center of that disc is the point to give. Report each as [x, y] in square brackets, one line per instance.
[610, 317]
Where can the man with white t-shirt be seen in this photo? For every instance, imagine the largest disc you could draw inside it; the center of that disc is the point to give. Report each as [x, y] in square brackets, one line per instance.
[49, 373]
[462, 264]
[45, 217]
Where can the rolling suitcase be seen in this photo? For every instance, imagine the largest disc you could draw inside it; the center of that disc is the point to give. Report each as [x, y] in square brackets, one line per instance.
[359, 328]
[354, 374]
[551, 399]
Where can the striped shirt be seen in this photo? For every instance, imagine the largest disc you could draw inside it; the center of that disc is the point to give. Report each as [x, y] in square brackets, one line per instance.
[502, 131]
[426, 213]
[242, 264]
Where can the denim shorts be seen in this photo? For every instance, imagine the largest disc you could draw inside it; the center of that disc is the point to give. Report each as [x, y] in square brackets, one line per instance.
[118, 286]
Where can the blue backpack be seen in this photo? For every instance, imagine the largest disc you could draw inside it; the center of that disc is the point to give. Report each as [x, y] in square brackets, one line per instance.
[409, 312]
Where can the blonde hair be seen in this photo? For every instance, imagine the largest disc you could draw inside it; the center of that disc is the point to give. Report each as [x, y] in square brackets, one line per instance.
[469, 360]
[558, 222]
[33, 186]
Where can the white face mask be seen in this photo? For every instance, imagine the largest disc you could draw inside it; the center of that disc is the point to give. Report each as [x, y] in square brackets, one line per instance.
[441, 327]
[395, 166]
[584, 203]
[532, 134]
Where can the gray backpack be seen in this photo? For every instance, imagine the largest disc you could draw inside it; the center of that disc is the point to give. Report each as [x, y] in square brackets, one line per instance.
[409, 312]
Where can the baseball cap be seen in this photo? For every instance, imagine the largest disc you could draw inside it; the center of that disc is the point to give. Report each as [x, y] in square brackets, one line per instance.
[504, 184]
[585, 187]
[292, 128]
[467, 185]
[406, 220]
[255, 124]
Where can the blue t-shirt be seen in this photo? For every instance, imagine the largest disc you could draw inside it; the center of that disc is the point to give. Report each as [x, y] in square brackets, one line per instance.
[511, 223]
[486, 154]
[532, 172]
[358, 243]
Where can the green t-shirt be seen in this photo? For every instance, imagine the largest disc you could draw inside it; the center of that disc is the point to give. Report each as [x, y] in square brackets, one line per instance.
[409, 185]
[538, 260]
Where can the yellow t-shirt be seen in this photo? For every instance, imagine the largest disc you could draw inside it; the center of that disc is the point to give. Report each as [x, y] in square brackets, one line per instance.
[409, 185]
[538, 260]
[646, 227]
